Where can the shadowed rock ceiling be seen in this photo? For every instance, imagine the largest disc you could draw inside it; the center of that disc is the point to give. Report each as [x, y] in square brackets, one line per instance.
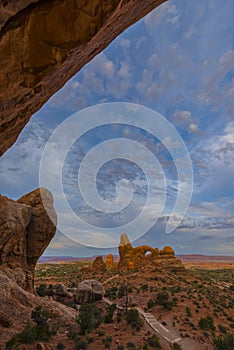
[44, 43]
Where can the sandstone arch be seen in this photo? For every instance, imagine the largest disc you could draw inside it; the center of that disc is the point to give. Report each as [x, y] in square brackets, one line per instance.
[43, 43]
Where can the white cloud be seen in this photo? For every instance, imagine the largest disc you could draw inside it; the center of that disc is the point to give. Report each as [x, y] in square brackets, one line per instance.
[195, 129]
[181, 117]
[167, 12]
[190, 32]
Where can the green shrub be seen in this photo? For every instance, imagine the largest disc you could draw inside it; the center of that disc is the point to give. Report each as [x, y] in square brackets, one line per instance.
[222, 328]
[120, 347]
[150, 304]
[41, 290]
[90, 340]
[188, 311]
[101, 333]
[133, 318]
[162, 298]
[107, 342]
[144, 287]
[110, 313]
[80, 343]
[206, 323]
[224, 343]
[90, 317]
[154, 342]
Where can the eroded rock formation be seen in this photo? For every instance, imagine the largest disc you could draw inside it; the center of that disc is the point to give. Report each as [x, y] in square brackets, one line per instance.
[99, 265]
[143, 256]
[89, 291]
[44, 43]
[110, 262]
[25, 232]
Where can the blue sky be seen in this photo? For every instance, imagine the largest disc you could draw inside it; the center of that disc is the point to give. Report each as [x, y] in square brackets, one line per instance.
[179, 61]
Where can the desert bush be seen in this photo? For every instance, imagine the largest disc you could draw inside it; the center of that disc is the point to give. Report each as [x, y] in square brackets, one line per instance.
[110, 313]
[150, 303]
[31, 333]
[154, 342]
[133, 318]
[80, 343]
[120, 347]
[206, 323]
[162, 298]
[41, 290]
[144, 287]
[107, 342]
[111, 293]
[225, 342]
[188, 311]
[222, 328]
[101, 333]
[90, 317]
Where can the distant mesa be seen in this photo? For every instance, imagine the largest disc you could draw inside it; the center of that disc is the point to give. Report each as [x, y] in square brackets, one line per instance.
[139, 257]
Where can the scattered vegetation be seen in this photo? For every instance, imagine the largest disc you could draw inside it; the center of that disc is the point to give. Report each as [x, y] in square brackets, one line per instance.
[33, 333]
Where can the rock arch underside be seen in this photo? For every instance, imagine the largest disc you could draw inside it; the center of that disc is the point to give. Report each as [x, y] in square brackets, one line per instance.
[43, 43]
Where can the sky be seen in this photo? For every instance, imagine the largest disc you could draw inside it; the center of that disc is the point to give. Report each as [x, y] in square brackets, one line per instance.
[179, 62]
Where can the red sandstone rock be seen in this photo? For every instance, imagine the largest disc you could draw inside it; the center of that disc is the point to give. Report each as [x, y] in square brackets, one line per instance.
[25, 232]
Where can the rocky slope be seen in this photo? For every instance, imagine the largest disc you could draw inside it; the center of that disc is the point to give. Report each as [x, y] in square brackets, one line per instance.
[16, 305]
[44, 43]
[25, 232]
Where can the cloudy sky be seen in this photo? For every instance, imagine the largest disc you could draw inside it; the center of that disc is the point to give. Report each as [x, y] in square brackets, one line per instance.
[178, 61]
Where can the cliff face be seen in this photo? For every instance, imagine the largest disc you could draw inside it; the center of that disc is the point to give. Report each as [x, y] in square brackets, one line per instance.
[25, 232]
[44, 43]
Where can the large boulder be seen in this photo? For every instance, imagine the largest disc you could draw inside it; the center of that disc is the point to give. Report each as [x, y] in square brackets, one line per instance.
[25, 232]
[89, 291]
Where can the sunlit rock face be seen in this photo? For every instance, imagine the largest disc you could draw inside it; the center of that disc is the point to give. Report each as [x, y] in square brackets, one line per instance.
[25, 232]
[44, 43]
[143, 256]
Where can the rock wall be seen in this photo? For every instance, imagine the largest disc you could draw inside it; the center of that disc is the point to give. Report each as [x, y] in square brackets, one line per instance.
[44, 43]
[25, 232]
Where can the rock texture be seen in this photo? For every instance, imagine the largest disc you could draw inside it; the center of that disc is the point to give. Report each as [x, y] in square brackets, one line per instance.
[44, 43]
[99, 265]
[110, 262]
[16, 305]
[143, 256]
[25, 232]
[89, 291]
